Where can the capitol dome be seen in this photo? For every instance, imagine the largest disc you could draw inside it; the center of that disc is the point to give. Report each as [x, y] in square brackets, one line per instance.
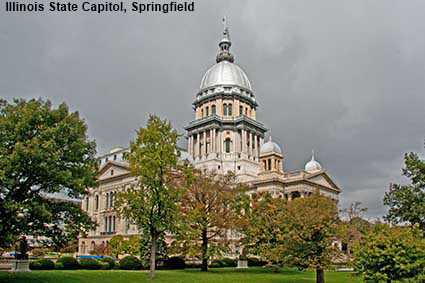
[225, 73]
[313, 166]
[270, 147]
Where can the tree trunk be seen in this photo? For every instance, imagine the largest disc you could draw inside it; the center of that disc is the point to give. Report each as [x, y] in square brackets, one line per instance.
[320, 275]
[153, 256]
[204, 249]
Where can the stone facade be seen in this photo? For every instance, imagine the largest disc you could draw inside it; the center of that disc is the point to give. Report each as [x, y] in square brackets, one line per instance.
[224, 136]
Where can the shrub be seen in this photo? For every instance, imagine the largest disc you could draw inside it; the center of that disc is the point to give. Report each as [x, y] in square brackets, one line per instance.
[35, 265]
[252, 261]
[228, 262]
[89, 263]
[109, 261]
[42, 264]
[69, 262]
[175, 262]
[225, 262]
[58, 265]
[130, 263]
[104, 265]
[193, 265]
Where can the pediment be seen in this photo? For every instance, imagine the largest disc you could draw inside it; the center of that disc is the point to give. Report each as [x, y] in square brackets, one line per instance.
[112, 169]
[324, 179]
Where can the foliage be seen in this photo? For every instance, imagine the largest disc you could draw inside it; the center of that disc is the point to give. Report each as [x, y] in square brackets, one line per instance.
[130, 263]
[104, 265]
[59, 265]
[144, 249]
[209, 211]
[225, 262]
[152, 206]
[69, 262]
[407, 202]
[109, 261]
[175, 262]
[390, 253]
[353, 227]
[253, 261]
[295, 233]
[43, 150]
[42, 264]
[116, 245]
[90, 263]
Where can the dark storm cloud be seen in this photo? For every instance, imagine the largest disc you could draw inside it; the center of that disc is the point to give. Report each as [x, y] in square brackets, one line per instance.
[343, 77]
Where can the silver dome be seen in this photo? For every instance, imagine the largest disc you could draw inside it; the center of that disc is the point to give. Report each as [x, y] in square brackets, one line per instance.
[225, 73]
[313, 165]
[270, 147]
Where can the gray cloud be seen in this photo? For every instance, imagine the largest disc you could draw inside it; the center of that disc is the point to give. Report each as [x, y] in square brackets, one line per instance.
[343, 77]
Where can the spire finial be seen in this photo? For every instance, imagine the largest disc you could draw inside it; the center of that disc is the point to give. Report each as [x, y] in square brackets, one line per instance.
[312, 154]
[224, 45]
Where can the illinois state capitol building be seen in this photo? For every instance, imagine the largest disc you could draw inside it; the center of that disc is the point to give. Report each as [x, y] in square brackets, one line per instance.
[224, 136]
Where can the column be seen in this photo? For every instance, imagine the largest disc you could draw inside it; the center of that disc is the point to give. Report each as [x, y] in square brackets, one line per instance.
[213, 141]
[250, 144]
[205, 142]
[243, 140]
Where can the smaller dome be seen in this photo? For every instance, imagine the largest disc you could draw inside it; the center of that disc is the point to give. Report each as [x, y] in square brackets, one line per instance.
[313, 166]
[270, 147]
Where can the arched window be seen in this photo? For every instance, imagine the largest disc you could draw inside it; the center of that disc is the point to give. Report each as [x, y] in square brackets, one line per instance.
[227, 144]
[83, 247]
[87, 203]
[207, 111]
[269, 165]
[246, 111]
[107, 200]
[113, 223]
[202, 113]
[224, 109]
[112, 199]
[229, 109]
[213, 110]
[241, 110]
[92, 245]
[110, 224]
[97, 202]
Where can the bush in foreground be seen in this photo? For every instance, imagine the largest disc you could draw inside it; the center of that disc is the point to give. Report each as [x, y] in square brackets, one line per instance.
[175, 262]
[109, 261]
[89, 263]
[42, 264]
[69, 262]
[130, 263]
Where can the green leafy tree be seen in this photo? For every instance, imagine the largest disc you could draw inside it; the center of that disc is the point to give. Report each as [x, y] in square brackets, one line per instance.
[263, 229]
[407, 202]
[116, 245]
[208, 208]
[153, 205]
[388, 254]
[144, 244]
[295, 233]
[43, 150]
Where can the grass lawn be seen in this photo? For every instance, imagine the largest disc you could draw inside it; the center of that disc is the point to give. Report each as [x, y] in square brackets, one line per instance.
[218, 275]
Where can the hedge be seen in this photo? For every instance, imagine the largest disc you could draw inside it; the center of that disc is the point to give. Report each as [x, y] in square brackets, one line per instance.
[130, 263]
[175, 262]
[69, 262]
[89, 263]
[42, 264]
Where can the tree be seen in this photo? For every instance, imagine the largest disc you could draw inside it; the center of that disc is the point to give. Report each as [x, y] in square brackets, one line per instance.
[295, 233]
[208, 208]
[263, 229]
[43, 150]
[407, 202]
[152, 206]
[144, 244]
[387, 254]
[353, 226]
[116, 245]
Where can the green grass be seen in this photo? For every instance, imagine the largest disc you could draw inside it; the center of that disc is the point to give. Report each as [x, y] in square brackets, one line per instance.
[218, 275]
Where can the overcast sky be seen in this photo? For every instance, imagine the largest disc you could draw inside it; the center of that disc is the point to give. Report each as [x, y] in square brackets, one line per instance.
[343, 77]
